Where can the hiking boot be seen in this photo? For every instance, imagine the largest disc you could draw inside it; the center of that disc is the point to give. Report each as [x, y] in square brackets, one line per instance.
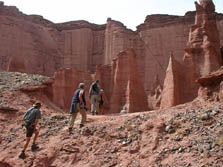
[22, 155]
[81, 125]
[34, 147]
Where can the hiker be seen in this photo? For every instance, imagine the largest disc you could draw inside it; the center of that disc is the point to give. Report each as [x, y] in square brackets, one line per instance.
[101, 101]
[94, 95]
[78, 105]
[31, 118]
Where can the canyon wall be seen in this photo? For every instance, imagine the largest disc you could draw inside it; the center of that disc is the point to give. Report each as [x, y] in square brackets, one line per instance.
[202, 56]
[66, 81]
[118, 38]
[82, 45]
[32, 44]
[26, 46]
[163, 34]
[122, 84]
[128, 88]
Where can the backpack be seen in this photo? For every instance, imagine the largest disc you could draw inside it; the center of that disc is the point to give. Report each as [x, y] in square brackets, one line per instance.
[95, 88]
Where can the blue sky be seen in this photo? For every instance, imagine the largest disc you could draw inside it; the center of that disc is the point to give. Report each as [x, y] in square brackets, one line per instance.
[130, 12]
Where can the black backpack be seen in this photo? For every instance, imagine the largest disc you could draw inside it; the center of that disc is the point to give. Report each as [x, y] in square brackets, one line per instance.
[95, 88]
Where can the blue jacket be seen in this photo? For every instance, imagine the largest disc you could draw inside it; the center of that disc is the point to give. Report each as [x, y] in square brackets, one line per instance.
[76, 100]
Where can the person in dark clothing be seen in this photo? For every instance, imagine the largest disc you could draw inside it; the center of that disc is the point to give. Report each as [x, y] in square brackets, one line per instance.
[31, 118]
[78, 105]
[94, 95]
[101, 102]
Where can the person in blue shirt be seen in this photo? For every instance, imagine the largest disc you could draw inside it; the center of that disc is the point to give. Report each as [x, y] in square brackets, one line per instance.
[78, 105]
[31, 118]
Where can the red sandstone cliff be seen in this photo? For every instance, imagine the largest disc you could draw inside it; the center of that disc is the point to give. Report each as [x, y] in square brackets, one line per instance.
[202, 56]
[32, 44]
[163, 34]
[128, 89]
[121, 83]
[118, 38]
[66, 81]
[26, 45]
[204, 41]
[83, 44]
[202, 53]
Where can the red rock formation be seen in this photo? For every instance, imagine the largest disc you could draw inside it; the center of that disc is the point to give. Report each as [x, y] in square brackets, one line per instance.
[83, 45]
[105, 76]
[211, 79]
[43, 43]
[211, 86]
[26, 46]
[17, 64]
[204, 42]
[128, 89]
[118, 38]
[222, 53]
[189, 87]
[46, 47]
[66, 82]
[78, 48]
[171, 94]
[121, 84]
[154, 97]
[202, 54]
[163, 34]
[155, 30]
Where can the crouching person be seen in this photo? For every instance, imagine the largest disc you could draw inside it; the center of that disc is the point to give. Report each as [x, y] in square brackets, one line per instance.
[31, 119]
[78, 105]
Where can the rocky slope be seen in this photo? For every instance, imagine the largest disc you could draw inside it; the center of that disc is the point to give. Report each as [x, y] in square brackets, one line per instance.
[186, 135]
